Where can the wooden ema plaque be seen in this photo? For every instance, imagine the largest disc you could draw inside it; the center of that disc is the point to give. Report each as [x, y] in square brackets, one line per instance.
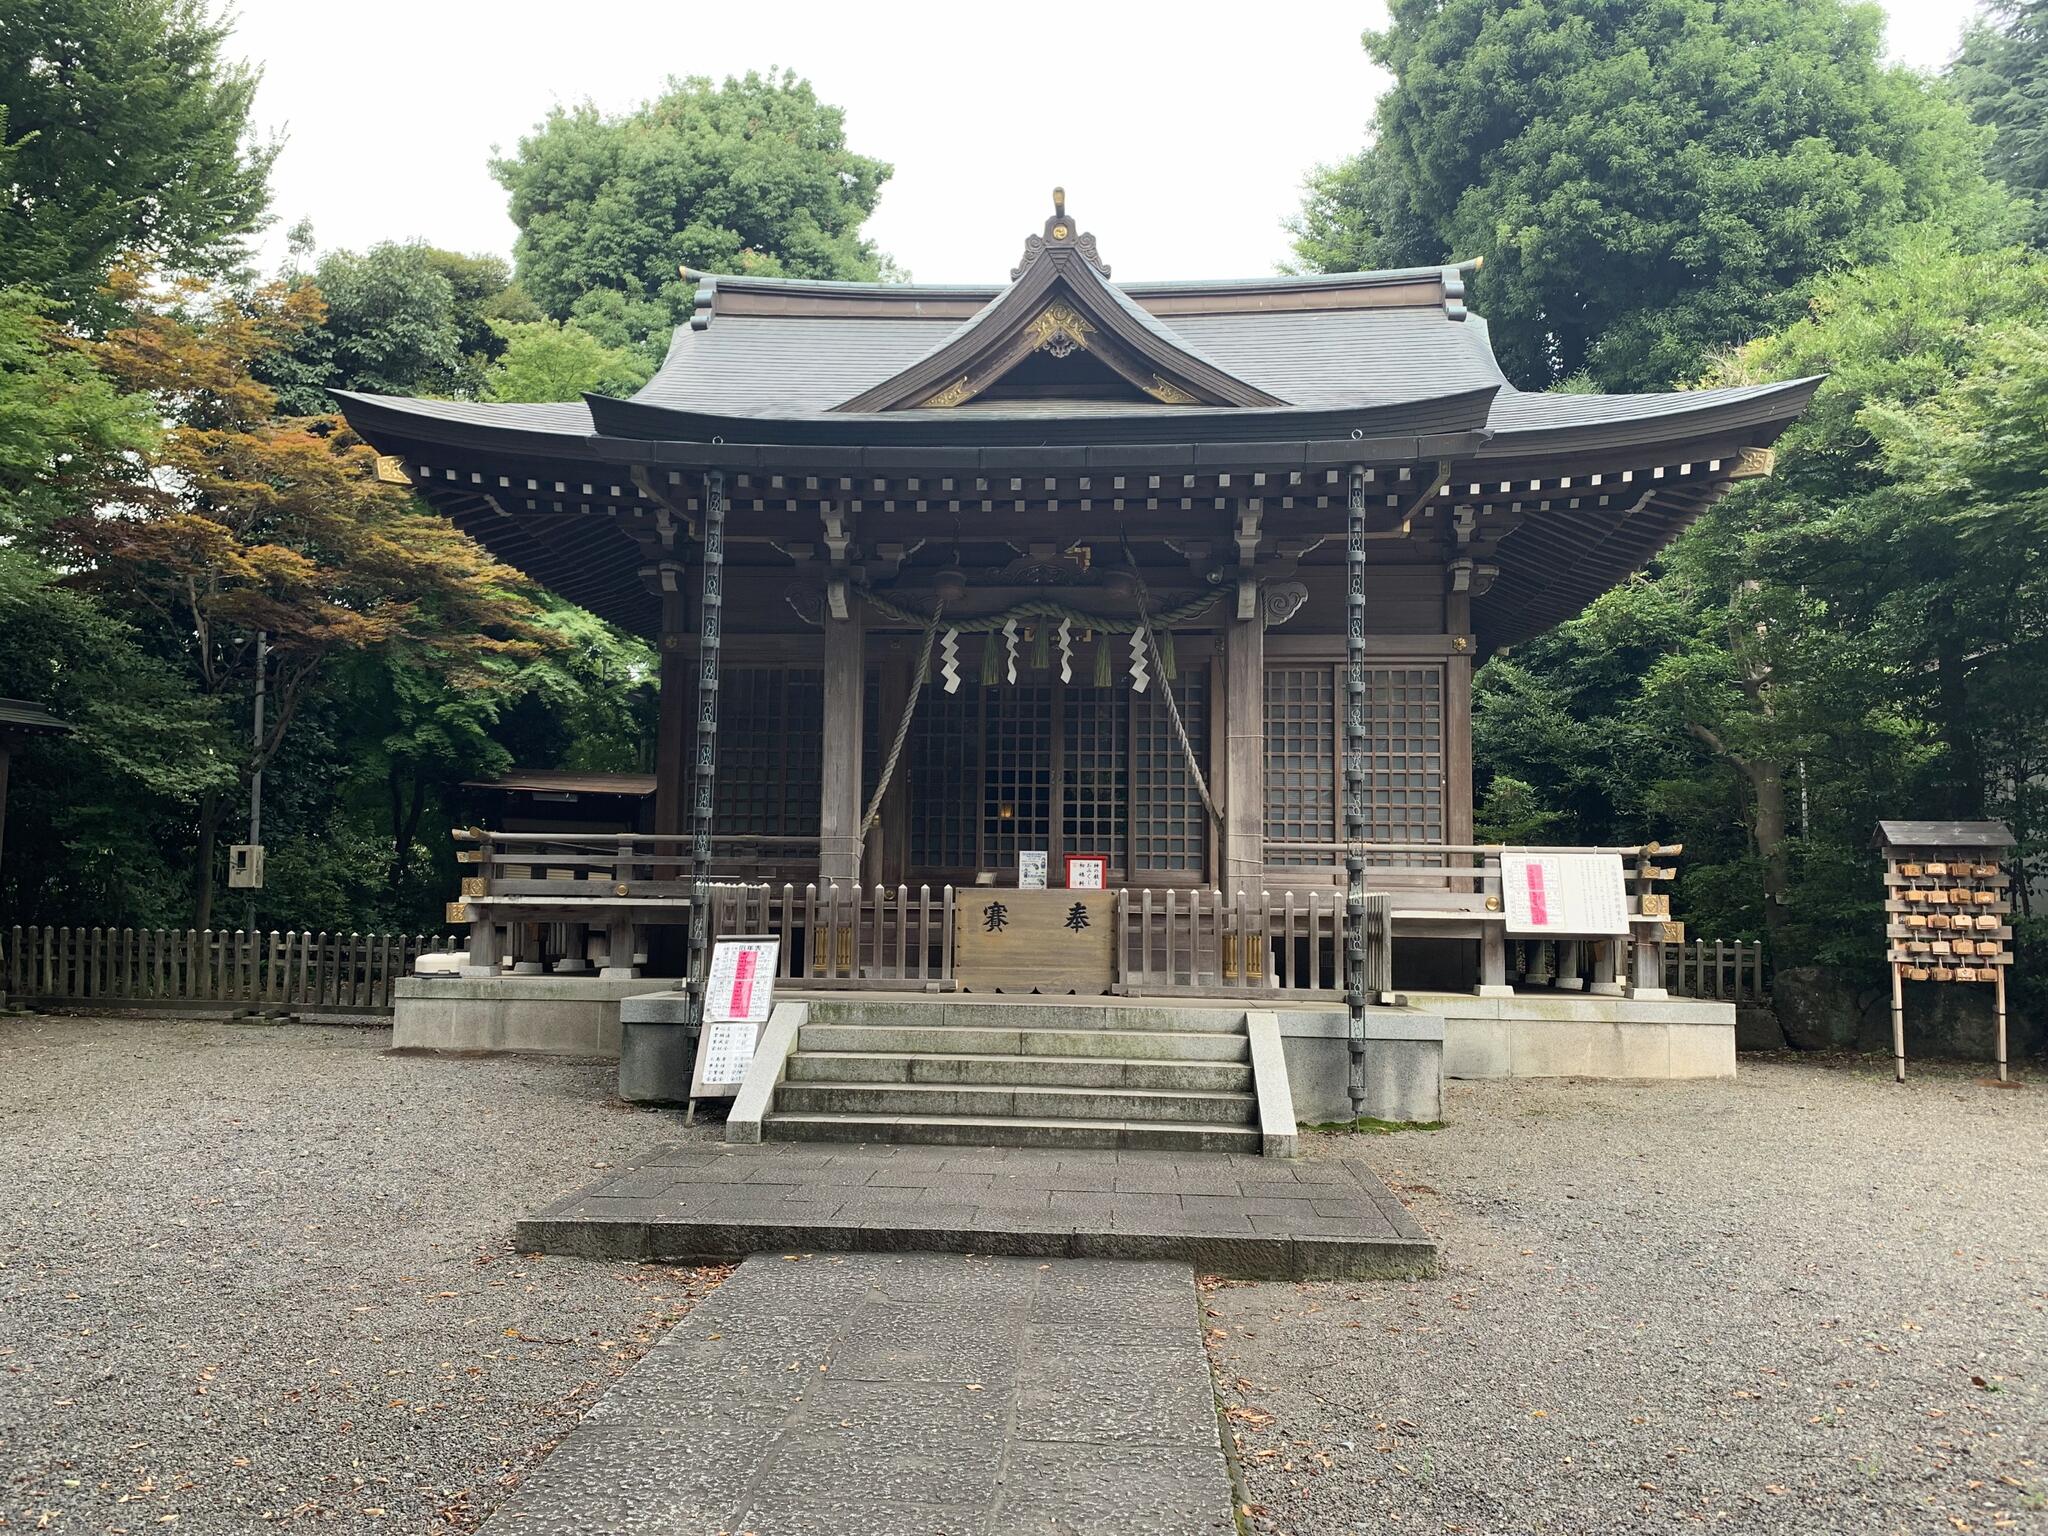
[1047, 941]
[1948, 917]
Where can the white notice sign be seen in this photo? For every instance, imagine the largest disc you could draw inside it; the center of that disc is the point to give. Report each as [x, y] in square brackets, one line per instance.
[727, 1052]
[1567, 893]
[1031, 869]
[741, 985]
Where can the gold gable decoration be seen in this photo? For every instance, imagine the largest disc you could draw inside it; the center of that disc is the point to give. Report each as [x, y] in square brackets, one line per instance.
[1166, 392]
[1060, 329]
[959, 392]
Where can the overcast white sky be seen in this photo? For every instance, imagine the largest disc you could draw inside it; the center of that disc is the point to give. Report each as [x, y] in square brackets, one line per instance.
[1181, 131]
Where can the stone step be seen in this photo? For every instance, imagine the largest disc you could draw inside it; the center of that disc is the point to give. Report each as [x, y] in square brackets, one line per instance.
[925, 1100]
[971, 1131]
[1148, 1045]
[1026, 1012]
[1023, 1071]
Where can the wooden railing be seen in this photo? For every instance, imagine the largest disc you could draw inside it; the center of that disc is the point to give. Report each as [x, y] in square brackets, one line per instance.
[846, 936]
[647, 868]
[1454, 889]
[1288, 941]
[1714, 968]
[211, 968]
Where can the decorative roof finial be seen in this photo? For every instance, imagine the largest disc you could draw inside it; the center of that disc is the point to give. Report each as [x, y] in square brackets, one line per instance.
[1059, 232]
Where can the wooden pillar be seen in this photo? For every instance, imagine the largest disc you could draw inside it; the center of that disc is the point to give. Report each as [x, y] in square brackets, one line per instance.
[1458, 720]
[1244, 756]
[840, 808]
[621, 939]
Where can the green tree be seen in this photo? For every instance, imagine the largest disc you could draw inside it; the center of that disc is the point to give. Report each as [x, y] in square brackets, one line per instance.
[748, 175]
[99, 822]
[1646, 183]
[545, 360]
[127, 131]
[399, 319]
[1861, 635]
[63, 427]
[2001, 75]
[240, 524]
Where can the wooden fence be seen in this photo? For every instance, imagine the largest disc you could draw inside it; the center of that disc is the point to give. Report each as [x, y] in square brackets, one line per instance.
[1168, 940]
[844, 935]
[1711, 968]
[211, 968]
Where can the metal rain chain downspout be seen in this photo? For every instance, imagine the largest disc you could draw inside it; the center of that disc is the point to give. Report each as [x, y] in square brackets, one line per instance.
[709, 634]
[1354, 786]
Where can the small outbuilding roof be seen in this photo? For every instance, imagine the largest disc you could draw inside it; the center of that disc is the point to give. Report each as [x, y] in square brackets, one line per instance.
[568, 781]
[1942, 834]
[19, 717]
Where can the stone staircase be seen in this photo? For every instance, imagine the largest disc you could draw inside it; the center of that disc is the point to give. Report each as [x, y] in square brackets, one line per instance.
[1019, 1073]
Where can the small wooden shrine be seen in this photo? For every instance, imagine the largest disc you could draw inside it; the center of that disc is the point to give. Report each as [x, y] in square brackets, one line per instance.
[1948, 912]
[1187, 577]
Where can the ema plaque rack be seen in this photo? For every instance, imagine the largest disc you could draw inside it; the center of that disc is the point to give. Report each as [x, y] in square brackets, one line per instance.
[1948, 912]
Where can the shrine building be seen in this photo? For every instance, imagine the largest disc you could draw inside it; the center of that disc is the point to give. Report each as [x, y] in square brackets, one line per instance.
[1061, 566]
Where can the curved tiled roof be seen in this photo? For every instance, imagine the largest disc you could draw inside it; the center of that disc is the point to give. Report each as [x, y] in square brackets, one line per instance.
[825, 378]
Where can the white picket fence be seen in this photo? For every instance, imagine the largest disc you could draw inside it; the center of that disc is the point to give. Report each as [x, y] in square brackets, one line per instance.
[208, 967]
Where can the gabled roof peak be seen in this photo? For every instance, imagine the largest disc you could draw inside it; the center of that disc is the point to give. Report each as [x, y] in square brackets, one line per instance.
[1059, 233]
[1060, 302]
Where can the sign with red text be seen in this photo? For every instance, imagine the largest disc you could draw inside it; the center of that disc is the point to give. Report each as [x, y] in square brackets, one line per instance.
[1564, 893]
[741, 986]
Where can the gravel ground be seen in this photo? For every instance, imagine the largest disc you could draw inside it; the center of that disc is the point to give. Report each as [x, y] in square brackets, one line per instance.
[258, 1277]
[1809, 1300]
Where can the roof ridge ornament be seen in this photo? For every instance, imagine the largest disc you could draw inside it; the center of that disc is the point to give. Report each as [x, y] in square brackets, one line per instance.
[1059, 233]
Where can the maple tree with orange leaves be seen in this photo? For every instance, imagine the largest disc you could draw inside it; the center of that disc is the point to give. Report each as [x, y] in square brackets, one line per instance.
[239, 522]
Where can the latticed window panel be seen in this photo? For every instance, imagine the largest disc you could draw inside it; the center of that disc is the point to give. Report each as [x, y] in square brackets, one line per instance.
[771, 722]
[1301, 762]
[1095, 787]
[943, 760]
[1404, 756]
[1017, 768]
[1169, 828]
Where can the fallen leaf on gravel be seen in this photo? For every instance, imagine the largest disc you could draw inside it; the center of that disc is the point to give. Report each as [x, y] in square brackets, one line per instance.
[1258, 1418]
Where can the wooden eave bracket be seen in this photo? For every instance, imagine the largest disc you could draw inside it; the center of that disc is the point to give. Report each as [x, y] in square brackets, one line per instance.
[667, 509]
[839, 549]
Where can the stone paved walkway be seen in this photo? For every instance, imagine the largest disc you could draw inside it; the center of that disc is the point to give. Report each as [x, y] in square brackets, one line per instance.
[1241, 1216]
[904, 1395]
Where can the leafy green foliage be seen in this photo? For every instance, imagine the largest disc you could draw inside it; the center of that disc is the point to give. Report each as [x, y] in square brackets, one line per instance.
[127, 131]
[62, 426]
[749, 175]
[2001, 75]
[1861, 635]
[400, 319]
[95, 819]
[545, 360]
[1647, 183]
